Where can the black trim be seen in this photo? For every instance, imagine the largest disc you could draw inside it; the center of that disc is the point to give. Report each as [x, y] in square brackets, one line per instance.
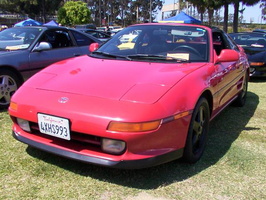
[123, 164]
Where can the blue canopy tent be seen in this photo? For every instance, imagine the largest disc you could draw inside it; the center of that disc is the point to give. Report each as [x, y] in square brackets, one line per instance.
[52, 23]
[181, 18]
[28, 22]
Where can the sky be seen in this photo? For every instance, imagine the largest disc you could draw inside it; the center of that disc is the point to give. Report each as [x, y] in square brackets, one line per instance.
[250, 13]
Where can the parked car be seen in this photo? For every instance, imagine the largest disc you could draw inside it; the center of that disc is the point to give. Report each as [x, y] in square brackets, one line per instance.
[103, 29]
[136, 107]
[254, 44]
[112, 29]
[102, 36]
[26, 50]
[86, 26]
[260, 30]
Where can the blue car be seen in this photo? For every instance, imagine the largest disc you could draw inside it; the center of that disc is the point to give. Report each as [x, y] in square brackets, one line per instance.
[26, 50]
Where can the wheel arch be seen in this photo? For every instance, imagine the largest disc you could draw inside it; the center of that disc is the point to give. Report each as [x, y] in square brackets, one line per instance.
[14, 70]
[208, 95]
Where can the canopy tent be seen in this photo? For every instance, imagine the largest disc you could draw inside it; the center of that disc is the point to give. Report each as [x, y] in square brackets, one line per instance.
[182, 18]
[52, 23]
[28, 22]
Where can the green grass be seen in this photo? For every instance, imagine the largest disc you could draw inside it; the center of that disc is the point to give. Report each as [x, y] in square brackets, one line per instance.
[233, 165]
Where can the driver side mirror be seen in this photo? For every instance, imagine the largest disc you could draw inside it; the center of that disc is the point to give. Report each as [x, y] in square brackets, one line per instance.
[42, 46]
[227, 55]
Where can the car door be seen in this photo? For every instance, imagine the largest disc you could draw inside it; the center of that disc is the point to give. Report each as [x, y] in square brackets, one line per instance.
[230, 73]
[62, 47]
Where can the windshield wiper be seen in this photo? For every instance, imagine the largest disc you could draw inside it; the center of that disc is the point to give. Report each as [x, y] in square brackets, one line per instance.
[140, 57]
[157, 57]
[105, 54]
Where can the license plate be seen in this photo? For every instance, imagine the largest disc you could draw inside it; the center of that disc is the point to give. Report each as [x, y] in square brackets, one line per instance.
[54, 126]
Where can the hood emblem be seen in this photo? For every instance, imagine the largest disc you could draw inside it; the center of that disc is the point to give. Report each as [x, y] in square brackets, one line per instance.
[63, 100]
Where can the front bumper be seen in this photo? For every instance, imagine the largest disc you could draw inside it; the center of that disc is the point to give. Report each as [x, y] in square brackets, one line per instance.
[122, 164]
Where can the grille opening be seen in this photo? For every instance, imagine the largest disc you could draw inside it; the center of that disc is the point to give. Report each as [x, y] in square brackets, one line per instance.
[78, 141]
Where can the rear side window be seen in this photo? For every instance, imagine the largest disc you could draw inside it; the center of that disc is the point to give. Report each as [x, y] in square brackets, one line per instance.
[81, 39]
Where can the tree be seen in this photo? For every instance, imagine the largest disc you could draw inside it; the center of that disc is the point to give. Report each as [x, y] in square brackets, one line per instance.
[33, 8]
[147, 8]
[263, 9]
[74, 12]
[108, 11]
[181, 6]
[209, 5]
[226, 12]
[48, 7]
[201, 7]
[236, 11]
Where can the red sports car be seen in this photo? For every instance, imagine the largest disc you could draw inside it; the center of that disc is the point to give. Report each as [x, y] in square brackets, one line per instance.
[136, 104]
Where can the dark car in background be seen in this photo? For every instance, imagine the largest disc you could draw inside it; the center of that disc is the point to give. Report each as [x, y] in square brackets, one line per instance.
[86, 26]
[254, 44]
[100, 35]
[26, 50]
[260, 30]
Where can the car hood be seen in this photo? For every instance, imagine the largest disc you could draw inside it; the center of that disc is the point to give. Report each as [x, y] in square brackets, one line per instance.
[141, 82]
[253, 50]
[257, 57]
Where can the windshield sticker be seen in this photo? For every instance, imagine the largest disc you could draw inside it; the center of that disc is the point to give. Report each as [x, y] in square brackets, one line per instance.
[179, 55]
[22, 46]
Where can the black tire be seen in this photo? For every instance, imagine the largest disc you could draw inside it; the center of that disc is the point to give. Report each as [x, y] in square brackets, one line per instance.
[242, 96]
[9, 83]
[197, 132]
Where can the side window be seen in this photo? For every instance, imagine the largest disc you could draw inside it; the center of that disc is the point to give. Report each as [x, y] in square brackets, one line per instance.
[223, 41]
[48, 36]
[231, 43]
[81, 39]
[62, 39]
[217, 42]
[57, 38]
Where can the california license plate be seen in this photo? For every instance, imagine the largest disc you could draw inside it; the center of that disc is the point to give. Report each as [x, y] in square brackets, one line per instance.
[54, 126]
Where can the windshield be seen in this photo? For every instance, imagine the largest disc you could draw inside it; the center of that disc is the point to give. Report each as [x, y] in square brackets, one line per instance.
[157, 43]
[18, 38]
[257, 40]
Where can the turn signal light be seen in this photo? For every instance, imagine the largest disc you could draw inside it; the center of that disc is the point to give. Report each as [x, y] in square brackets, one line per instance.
[13, 105]
[134, 127]
[183, 114]
[257, 63]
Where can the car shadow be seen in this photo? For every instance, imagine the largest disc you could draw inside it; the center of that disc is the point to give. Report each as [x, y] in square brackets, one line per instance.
[224, 130]
[257, 79]
[3, 110]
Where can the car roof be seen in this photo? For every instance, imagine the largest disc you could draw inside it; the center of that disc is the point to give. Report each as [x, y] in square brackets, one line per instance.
[43, 27]
[248, 33]
[47, 27]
